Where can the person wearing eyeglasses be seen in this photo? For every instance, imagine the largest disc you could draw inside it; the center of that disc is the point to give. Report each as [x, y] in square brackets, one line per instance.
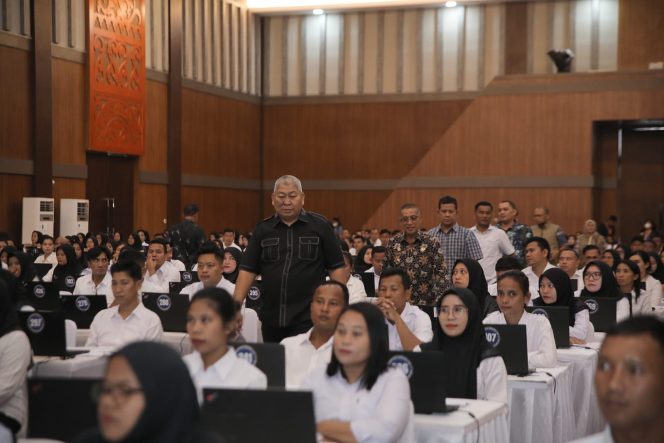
[420, 255]
[98, 281]
[146, 395]
[599, 281]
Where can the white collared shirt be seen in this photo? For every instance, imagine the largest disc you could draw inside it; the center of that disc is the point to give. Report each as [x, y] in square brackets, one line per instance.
[603, 437]
[197, 286]
[86, 286]
[356, 290]
[52, 259]
[178, 265]
[578, 276]
[302, 357]
[380, 415]
[162, 276]
[227, 372]
[653, 293]
[376, 277]
[109, 329]
[417, 321]
[533, 281]
[148, 286]
[494, 243]
[539, 336]
[492, 380]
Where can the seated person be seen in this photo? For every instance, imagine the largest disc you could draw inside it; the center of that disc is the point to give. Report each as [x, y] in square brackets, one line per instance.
[407, 325]
[468, 273]
[357, 397]
[210, 264]
[48, 255]
[503, 265]
[474, 369]
[555, 289]
[599, 281]
[590, 253]
[157, 269]
[146, 396]
[628, 277]
[568, 261]
[313, 348]
[128, 320]
[98, 281]
[175, 262]
[231, 266]
[67, 266]
[377, 257]
[628, 382]
[513, 296]
[355, 286]
[538, 253]
[653, 288]
[139, 258]
[213, 363]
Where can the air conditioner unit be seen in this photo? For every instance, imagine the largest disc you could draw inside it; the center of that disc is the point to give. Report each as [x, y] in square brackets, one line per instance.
[38, 215]
[74, 216]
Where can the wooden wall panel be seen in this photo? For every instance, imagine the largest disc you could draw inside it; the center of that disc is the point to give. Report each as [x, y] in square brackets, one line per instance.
[220, 208]
[156, 123]
[16, 100]
[220, 136]
[362, 141]
[516, 38]
[150, 207]
[69, 112]
[640, 29]
[12, 190]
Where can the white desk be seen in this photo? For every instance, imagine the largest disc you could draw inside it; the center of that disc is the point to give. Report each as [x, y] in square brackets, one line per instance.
[460, 427]
[176, 340]
[541, 407]
[81, 366]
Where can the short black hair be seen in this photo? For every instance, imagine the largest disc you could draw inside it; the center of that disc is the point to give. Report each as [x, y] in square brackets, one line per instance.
[587, 248]
[542, 243]
[511, 203]
[347, 257]
[344, 288]
[211, 248]
[131, 254]
[639, 325]
[191, 209]
[385, 231]
[378, 250]
[519, 277]
[231, 230]
[96, 251]
[378, 344]
[448, 200]
[636, 238]
[508, 263]
[390, 272]
[130, 267]
[47, 237]
[644, 256]
[221, 301]
[569, 249]
[159, 241]
[483, 203]
[360, 237]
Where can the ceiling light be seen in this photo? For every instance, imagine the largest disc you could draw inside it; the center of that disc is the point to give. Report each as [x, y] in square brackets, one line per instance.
[450, 4]
[318, 12]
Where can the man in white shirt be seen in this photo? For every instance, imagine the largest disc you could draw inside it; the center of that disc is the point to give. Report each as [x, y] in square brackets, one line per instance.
[407, 325]
[158, 270]
[313, 348]
[355, 286]
[537, 254]
[98, 281]
[137, 256]
[47, 248]
[493, 240]
[210, 269]
[228, 239]
[377, 257]
[169, 258]
[568, 261]
[128, 320]
[628, 382]
[504, 264]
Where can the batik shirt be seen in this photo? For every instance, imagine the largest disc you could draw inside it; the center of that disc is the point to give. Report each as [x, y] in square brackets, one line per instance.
[518, 235]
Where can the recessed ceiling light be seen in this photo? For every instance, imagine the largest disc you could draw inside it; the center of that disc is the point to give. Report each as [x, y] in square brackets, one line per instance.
[450, 4]
[318, 12]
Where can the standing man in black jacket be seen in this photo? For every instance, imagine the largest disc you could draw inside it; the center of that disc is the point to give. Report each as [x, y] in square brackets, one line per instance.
[186, 237]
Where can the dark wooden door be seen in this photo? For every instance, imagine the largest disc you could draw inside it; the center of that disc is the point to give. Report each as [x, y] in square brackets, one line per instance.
[110, 191]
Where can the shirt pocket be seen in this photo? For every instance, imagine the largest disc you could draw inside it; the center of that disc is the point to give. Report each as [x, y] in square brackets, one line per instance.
[270, 249]
[308, 248]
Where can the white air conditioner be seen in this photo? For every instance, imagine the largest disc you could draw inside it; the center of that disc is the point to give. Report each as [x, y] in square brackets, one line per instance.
[38, 215]
[74, 216]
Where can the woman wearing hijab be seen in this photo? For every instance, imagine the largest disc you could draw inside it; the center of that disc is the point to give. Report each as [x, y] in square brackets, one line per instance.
[475, 370]
[20, 265]
[15, 359]
[599, 281]
[147, 396]
[656, 267]
[555, 289]
[468, 273]
[232, 259]
[67, 266]
[134, 241]
[363, 260]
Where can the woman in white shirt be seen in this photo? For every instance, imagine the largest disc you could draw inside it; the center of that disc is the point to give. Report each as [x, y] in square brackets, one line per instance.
[555, 289]
[47, 248]
[627, 276]
[213, 364]
[513, 296]
[599, 281]
[653, 288]
[474, 369]
[357, 397]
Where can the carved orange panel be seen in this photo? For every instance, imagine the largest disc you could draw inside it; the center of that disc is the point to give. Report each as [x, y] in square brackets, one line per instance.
[116, 42]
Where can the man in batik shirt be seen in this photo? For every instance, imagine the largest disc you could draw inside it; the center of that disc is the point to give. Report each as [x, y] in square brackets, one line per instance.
[517, 233]
[420, 255]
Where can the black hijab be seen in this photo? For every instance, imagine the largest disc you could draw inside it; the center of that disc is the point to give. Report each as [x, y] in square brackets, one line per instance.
[659, 272]
[360, 266]
[8, 318]
[138, 244]
[476, 279]
[616, 258]
[27, 270]
[609, 286]
[171, 406]
[237, 255]
[464, 352]
[72, 268]
[564, 293]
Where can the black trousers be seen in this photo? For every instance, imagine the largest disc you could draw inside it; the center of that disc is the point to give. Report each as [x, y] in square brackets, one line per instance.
[274, 334]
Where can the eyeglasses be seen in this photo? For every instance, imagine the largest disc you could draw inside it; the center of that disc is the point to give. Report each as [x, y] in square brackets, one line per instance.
[407, 218]
[119, 394]
[593, 276]
[458, 310]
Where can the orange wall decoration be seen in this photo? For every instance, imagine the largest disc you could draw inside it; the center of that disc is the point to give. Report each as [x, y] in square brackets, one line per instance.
[116, 42]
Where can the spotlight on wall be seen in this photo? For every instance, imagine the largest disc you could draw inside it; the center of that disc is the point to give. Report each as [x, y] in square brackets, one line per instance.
[450, 4]
[562, 59]
[318, 12]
